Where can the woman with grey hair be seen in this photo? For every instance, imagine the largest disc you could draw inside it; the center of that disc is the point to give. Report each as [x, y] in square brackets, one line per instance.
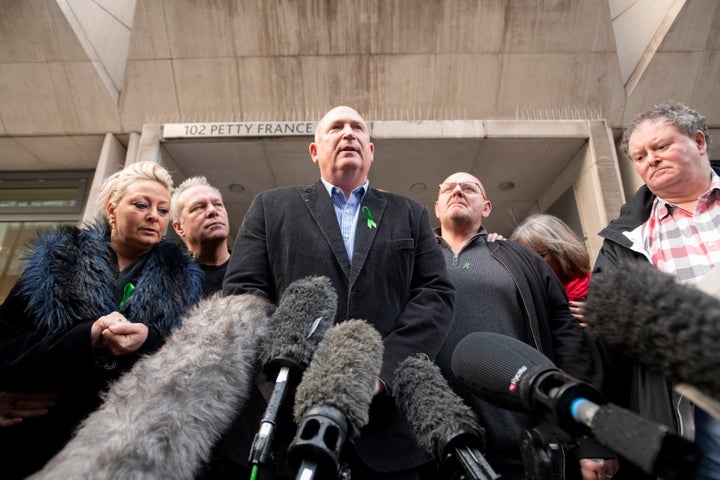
[560, 247]
[89, 303]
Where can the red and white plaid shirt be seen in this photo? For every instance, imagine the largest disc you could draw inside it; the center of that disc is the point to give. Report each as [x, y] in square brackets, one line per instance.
[683, 243]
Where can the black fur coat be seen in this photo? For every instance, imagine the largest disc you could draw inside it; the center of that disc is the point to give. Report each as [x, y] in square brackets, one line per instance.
[45, 323]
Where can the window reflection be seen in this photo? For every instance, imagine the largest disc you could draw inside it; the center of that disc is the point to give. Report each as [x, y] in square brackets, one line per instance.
[46, 197]
[14, 240]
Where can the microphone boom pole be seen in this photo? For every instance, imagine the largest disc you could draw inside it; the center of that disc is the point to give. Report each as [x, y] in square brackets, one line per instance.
[304, 314]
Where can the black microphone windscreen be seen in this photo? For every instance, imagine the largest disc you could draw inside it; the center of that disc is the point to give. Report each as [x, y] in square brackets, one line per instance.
[291, 333]
[491, 365]
[671, 328]
[342, 373]
[435, 413]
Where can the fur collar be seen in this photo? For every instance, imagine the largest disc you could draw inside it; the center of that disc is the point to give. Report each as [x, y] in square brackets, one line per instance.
[70, 274]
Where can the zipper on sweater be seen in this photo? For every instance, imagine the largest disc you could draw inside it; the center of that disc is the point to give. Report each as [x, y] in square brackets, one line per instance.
[677, 410]
[525, 307]
[456, 257]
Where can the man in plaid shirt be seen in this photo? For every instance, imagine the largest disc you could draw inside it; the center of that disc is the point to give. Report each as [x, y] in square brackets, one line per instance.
[672, 222]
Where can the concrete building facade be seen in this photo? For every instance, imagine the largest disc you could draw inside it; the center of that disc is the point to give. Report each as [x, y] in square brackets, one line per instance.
[529, 95]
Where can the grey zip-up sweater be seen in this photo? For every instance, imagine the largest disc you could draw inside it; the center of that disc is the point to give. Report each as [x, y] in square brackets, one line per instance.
[506, 288]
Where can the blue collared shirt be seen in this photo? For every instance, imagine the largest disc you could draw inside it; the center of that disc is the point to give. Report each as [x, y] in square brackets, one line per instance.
[347, 211]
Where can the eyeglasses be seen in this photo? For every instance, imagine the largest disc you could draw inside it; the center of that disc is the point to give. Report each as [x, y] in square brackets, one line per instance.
[467, 188]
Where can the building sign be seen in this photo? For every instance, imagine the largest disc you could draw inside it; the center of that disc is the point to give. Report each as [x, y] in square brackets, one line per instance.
[238, 129]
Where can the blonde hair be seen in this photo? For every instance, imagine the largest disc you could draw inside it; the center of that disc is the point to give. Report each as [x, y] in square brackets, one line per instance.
[114, 187]
[546, 233]
[175, 206]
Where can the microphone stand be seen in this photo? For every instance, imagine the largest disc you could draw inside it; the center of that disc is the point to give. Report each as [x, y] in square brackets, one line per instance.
[308, 469]
[537, 448]
[462, 458]
[474, 464]
[318, 443]
[288, 371]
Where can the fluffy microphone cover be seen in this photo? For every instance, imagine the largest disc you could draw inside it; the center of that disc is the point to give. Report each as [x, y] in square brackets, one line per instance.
[161, 418]
[291, 333]
[435, 413]
[342, 373]
[672, 329]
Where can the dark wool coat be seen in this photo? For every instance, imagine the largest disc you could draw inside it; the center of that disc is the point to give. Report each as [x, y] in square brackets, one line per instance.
[627, 382]
[45, 327]
[397, 281]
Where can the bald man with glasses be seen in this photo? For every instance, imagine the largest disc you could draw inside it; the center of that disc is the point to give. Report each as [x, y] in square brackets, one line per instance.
[505, 288]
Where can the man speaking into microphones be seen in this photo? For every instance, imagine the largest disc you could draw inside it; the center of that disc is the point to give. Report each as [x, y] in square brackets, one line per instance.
[379, 252]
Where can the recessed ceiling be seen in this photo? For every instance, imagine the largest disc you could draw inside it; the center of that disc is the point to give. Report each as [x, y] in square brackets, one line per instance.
[259, 164]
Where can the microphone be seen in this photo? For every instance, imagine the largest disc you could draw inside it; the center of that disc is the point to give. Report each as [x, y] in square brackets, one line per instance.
[305, 312]
[508, 372]
[444, 427]
[161, 419]
[671, 328]
[333, 399]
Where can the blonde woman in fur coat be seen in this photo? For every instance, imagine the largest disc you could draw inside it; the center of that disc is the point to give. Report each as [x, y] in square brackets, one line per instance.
[90, 302]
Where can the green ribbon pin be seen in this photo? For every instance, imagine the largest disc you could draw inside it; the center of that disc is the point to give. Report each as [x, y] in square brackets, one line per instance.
[127, 291]
[370, 222]
[466, 266]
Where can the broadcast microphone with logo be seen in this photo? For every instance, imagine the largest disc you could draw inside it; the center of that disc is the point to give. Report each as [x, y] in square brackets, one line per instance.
[304, 314]
[332, 401]
[444, 427]
[512, 374]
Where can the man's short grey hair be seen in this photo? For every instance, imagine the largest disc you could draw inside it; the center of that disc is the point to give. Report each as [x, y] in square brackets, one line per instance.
[684, 118]
[176, 206]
